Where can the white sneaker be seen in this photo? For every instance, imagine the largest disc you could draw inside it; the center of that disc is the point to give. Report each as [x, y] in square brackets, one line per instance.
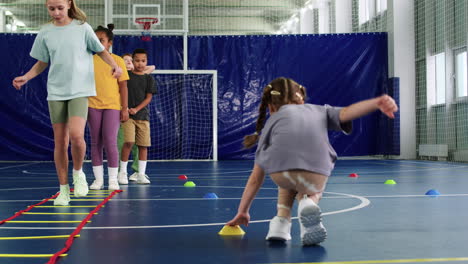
[122, 177]
[97, 185]
[63, 199]
[280, 229]
[143, 179]
[114, 185]
[310, 219]
[133, 177]
[80, 185]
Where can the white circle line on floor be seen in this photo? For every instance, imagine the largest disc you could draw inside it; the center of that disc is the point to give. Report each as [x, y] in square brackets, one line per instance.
[363, 203]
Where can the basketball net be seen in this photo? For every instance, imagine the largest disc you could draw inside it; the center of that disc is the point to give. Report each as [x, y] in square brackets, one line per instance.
[147, 22]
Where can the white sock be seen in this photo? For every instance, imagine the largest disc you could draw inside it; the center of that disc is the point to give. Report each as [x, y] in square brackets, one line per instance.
[98, 173]
[65, 188]
[77, 172]
[113, 173]
[123, 166]
[142, 167]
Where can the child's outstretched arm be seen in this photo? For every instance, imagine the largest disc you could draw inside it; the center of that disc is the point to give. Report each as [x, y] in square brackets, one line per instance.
[105, 56]
[384, 103]
[35, 70]
[251, 188]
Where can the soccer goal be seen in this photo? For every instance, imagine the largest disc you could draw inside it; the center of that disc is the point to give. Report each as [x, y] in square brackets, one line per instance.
[184, 115]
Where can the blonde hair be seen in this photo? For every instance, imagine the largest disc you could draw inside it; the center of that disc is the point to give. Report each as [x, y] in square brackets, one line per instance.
[75, 12]
[279, 92]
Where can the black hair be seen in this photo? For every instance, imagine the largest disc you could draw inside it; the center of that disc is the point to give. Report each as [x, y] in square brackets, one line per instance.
[139, 51]
[107, 31]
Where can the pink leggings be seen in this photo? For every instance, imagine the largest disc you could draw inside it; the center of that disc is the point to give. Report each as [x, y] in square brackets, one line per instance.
[103, 128]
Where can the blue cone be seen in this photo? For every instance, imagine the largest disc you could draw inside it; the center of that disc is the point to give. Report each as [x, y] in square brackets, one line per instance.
[210, 196]
[433, 192]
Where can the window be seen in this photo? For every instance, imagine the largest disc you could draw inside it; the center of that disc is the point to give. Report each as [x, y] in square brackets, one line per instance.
[381, 6]
[440, 78]
[368, 9]
[461, 74]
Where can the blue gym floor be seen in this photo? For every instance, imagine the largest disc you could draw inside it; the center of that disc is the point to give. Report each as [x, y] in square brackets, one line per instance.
[367, 221]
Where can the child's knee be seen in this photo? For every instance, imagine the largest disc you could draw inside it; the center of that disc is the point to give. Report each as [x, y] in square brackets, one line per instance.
[128, 145]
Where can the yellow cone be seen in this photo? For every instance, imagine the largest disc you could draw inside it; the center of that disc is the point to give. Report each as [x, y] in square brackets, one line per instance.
[228, 230]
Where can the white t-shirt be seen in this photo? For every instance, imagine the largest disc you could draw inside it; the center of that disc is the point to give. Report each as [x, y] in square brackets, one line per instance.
[68, 50]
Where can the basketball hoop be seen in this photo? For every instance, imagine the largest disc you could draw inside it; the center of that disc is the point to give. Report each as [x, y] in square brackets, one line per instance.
[146, 22]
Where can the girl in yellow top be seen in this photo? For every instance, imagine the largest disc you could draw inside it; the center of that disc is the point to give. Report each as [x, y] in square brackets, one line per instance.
[105, 112]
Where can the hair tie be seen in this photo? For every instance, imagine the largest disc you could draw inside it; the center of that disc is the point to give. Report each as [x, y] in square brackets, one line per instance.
[299, 95]
[275, 93]
[269, 86]
[256, 133]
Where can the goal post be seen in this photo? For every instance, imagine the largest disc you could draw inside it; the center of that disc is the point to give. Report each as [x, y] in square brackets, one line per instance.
[184, 114]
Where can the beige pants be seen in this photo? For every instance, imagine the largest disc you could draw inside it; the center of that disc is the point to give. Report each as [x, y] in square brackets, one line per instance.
[303, 182]
[297, 183]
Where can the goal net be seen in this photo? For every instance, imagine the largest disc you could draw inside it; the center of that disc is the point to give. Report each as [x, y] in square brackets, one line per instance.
[183, 116]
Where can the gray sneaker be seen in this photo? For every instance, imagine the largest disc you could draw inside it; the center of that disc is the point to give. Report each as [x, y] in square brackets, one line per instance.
[310, 219]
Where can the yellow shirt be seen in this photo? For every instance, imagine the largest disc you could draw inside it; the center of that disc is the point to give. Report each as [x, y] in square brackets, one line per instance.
[107, 87]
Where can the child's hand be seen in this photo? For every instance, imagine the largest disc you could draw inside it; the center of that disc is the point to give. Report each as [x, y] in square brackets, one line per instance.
[123, 115]
[387, 105]
[19, 81]
[116, 72]
[132, 111]
[240, 219]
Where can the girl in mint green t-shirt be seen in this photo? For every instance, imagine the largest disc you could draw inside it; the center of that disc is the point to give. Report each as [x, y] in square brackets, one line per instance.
[67, 43]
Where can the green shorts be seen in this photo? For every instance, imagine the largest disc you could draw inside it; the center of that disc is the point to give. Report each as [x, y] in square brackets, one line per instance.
[61, 111]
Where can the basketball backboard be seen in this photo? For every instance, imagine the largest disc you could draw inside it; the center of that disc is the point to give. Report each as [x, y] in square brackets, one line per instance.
[171, 15]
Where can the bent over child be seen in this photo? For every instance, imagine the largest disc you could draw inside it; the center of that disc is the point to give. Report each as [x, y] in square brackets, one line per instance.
[294, 149]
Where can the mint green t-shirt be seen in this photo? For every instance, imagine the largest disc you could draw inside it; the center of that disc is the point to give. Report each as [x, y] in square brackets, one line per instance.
[68, 51]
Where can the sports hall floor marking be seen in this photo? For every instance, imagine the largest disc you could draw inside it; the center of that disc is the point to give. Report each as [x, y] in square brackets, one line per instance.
[70, 238]
[363, 203]
[36, 237]
[421, 260]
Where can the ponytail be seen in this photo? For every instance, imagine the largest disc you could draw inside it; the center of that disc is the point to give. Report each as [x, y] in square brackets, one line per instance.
[76, 13]
[107, 31]
[251, 140]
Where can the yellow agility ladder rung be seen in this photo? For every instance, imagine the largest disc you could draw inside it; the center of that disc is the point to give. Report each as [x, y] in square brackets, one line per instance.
[29, 255]
[37, 237]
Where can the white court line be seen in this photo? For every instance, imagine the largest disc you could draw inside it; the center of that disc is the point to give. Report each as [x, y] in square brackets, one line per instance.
[364, 202]
[174, 174]
[335, 173]
[262, 198]
[17, 166]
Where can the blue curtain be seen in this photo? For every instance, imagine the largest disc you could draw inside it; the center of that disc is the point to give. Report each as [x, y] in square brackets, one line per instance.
[337, 69]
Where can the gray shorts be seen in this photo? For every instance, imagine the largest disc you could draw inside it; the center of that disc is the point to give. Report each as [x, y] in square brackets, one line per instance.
[61, 111]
